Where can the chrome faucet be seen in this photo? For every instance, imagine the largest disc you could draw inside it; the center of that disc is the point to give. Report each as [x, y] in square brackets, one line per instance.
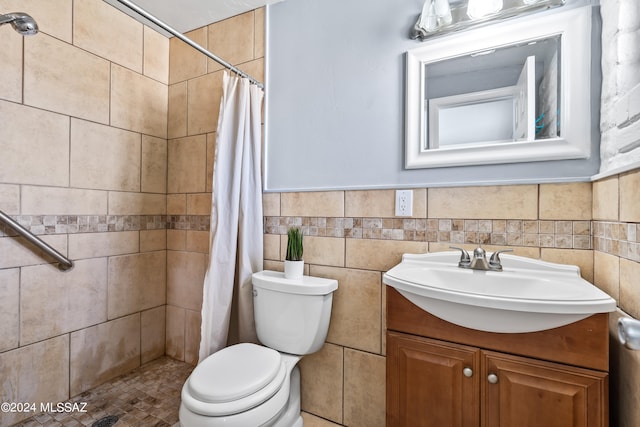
[479, 261]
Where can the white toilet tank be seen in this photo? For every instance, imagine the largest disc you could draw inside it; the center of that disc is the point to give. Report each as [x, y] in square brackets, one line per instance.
[292, 315]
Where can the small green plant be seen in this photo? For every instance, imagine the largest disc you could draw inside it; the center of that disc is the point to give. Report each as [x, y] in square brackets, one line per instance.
[294, 244]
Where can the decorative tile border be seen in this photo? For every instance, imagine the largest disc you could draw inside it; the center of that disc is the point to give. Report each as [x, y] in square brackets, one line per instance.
[71, 224]
[552, 234]
[616, 238]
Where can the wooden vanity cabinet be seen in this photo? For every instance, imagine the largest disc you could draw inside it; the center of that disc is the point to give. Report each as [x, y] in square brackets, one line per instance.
[440, 374]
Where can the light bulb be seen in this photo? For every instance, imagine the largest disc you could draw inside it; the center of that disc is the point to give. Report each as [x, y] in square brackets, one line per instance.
[530, 1]
[480, 8]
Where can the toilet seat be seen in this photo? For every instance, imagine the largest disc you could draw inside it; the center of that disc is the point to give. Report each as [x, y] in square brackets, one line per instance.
[234, 380]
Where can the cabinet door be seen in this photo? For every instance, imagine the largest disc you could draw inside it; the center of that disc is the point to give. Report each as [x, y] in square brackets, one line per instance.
[431, 383]
[525, 392]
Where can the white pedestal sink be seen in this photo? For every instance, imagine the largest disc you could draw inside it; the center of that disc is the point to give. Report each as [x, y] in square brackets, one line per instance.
[527, 296]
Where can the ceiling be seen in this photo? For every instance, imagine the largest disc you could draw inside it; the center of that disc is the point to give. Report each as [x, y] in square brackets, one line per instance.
[186, 15]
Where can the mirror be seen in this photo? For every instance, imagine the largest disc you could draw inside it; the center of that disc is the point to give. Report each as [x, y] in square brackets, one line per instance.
[517, 91]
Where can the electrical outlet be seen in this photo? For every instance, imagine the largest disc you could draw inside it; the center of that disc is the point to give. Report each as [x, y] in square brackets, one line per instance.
[404, 202]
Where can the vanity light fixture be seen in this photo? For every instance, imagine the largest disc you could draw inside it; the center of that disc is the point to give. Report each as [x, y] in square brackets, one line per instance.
[477, 9]
[444, 16]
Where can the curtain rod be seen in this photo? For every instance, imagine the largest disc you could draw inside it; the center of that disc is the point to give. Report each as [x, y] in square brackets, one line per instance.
[188, 41]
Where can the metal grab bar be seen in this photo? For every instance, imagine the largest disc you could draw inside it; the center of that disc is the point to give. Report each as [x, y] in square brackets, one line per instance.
[64, 263]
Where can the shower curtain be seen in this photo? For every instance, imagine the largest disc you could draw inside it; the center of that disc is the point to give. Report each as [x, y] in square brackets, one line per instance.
[236, 249]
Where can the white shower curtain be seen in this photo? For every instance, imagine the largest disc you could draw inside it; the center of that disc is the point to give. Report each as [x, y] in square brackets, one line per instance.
[236, 216]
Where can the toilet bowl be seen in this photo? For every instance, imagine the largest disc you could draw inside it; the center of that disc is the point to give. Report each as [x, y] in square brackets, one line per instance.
[250, 385]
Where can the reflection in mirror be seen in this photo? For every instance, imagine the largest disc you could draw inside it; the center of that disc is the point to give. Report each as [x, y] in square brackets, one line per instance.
[499, 95]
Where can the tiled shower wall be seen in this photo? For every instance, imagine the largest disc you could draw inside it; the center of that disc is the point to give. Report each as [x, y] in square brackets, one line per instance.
[83, 107]
[195, 89]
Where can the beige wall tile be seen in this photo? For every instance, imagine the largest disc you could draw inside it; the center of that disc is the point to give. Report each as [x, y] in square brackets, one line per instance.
[177, 204]
[174, 346]
[606, 273]
[103, 352]
[382, 203]
[356, 315]
[364, 389]
[35, 148]
[197, 241]
[11, 67]
[154, 165]
[137, 203]
[9, 306]
[566, 201]
[311, 420]
[52, 303]
[156, 55]
[185, 279]
[258, 44]
[629, 200]
[581, 258]
[26, 381]
[321, 203]
[271, 243]
[192, 322]
[319, 250]
[271, 204]
[138, 103]
[184, 61]
[321, 382]
[199, 204]
[10, 199]
[380, 255]
[187, 164]
[152, 334]
[153, 240]
[605, 199]
[232, 39]
[53, 18]
[492, 202]
[629, 287]
[177, 110]
[136, 282]
[60, 77]
[203, 103]
[93, 245]
[103, 157]
[62, 201]
[106, 31]
[177, 240]
[18, 252]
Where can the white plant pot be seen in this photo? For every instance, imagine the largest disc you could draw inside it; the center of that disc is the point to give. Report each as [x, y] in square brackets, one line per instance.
[293, 269]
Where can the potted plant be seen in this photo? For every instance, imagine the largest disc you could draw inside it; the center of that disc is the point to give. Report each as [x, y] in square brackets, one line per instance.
[293, 264]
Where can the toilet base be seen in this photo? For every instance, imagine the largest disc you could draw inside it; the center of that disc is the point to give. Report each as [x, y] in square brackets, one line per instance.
[289, 416]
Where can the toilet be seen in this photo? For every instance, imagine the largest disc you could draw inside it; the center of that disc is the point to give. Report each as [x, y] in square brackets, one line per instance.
[250, 385]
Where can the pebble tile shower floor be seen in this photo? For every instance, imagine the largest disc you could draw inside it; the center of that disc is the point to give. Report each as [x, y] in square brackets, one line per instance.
[148, 396]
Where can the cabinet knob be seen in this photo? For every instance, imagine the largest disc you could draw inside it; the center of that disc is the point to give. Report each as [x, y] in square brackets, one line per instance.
[492, 378]
[468, 372]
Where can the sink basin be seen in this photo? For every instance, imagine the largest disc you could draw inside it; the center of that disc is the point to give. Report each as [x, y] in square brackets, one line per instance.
[527, 296]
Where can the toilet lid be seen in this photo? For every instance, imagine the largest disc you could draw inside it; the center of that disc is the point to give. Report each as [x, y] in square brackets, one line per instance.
[234, 372]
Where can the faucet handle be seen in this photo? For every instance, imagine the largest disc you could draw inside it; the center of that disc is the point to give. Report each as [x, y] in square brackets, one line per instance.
[494, 261]
[465, 259]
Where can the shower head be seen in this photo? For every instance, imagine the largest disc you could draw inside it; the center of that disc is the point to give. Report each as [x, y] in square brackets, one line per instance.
[21, 22]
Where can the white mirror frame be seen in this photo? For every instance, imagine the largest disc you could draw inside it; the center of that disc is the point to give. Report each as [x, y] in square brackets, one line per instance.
[574, 26]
